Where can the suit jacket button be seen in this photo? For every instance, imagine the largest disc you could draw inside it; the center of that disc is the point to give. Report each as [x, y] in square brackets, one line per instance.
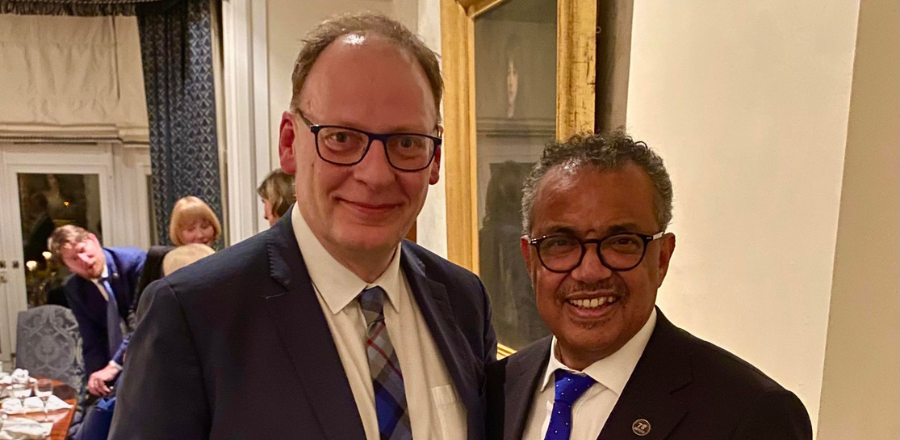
[641, 427]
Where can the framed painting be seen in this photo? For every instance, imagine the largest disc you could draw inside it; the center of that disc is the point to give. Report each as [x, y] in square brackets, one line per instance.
[518, 73]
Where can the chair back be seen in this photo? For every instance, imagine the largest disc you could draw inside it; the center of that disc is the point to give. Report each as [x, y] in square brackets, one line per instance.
[48, 345]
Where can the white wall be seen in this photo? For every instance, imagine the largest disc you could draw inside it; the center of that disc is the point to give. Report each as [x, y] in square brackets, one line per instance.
[861, 387]
[747, 102]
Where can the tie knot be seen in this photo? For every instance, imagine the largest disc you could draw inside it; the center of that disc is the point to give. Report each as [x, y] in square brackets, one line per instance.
[371, 301]
[570, 386]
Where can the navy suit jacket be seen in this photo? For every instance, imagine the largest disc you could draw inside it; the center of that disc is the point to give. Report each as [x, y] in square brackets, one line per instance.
[236, 346]
[683, 387]
[124, 266]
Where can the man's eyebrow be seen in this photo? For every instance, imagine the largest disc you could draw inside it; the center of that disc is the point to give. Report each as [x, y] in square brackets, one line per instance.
[622, 228]
[560, 230]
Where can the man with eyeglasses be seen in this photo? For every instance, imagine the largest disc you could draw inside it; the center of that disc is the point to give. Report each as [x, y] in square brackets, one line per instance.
[326, 326]
[595, 212]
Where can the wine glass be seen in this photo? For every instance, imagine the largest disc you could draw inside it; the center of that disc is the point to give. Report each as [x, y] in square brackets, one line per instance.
[21, 391]
[44, 389]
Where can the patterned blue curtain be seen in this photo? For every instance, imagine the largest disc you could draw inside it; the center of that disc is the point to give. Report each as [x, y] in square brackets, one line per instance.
[176, 46]
[82, 8]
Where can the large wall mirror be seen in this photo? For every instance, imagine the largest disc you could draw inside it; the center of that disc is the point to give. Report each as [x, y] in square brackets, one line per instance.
[519, 74]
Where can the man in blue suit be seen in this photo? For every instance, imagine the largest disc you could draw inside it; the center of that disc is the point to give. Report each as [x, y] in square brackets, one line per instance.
[328, 325]
[100, 293]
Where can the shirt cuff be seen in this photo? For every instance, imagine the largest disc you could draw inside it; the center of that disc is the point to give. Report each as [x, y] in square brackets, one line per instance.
[116, 365]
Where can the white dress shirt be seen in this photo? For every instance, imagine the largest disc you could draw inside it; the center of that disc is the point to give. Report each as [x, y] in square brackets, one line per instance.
[435, 410]
[589, 413]
[99, 285]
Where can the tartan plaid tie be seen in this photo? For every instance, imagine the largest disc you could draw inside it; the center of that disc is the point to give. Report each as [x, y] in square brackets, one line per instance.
[387, 380]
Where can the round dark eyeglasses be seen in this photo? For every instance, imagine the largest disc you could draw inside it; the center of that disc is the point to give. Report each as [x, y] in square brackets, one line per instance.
[348, 146]
[620, 252]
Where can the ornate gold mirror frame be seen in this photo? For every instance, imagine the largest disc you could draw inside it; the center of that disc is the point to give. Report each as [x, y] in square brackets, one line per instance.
[575, 101]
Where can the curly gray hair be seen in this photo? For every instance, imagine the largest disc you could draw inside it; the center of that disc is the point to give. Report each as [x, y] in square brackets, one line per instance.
[606, 152]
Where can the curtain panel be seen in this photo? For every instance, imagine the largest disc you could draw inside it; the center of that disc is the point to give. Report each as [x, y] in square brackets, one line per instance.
[176, 47]
[83, 8]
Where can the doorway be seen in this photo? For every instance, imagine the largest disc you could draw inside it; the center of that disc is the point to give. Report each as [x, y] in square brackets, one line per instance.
[98, 186]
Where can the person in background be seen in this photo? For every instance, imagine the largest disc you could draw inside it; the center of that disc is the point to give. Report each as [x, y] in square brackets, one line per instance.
[183, 256]
[277, 194]
[193, 221]
[41, 227]
[100, 294]
[97, 421]
[595, 213]
[268, 339]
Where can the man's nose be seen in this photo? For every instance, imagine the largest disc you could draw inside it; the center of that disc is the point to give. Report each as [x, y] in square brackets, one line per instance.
[591, 268]
[375, 169]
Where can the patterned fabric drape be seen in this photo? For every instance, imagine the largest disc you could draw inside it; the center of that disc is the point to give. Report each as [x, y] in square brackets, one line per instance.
[176, 48]
[49, 345]
[83, 8]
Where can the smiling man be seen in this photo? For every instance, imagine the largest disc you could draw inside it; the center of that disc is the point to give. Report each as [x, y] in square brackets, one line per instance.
[326, 326]
[596, 209]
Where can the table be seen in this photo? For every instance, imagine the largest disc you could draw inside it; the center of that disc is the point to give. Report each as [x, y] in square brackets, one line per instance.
[61, 418]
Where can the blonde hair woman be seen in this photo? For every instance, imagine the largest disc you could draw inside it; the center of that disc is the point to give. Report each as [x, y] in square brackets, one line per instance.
[193, 221]
[277, 194]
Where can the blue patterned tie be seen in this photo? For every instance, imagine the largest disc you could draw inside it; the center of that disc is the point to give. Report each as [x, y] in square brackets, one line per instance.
[387, 380]
[113, 319]
[569, 387]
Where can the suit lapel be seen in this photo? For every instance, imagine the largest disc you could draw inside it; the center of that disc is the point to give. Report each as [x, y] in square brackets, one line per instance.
[523, 374]
[664, 368]
[304, 332]
[464, 368]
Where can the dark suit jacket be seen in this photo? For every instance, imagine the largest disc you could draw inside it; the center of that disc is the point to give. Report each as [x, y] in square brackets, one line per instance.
[124, 265]
[236, 346]
[684, 387]
[152, 272]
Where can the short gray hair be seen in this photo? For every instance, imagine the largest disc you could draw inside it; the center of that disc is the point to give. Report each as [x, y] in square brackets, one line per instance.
[366, 23]
[605, 152]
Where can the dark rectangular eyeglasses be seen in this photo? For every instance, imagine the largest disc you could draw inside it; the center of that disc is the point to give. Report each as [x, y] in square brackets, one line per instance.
[620, 252]
[348, 146]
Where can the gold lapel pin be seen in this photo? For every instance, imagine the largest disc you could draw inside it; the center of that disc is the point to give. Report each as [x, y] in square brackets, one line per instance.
[641, 427]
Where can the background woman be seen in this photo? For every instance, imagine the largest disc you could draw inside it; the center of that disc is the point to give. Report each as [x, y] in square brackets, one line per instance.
[277, 194]
[193, 221]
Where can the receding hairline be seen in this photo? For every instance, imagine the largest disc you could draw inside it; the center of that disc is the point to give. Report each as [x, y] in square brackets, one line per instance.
[372, 38]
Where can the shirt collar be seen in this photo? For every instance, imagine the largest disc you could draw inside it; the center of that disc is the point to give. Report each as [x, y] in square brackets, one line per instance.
[337, 284]
[614, 370]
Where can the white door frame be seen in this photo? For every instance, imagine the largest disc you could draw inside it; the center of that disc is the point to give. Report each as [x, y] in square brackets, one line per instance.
[246, 90]
[124, 206]
[57, 159]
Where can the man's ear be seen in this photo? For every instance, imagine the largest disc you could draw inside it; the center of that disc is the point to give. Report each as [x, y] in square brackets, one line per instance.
[525, 247]
[435, 167]
[286, 136]
[666, 249]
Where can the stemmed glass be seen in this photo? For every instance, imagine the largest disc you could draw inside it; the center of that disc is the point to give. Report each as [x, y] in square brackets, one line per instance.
[44, 389]
[21, 391]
